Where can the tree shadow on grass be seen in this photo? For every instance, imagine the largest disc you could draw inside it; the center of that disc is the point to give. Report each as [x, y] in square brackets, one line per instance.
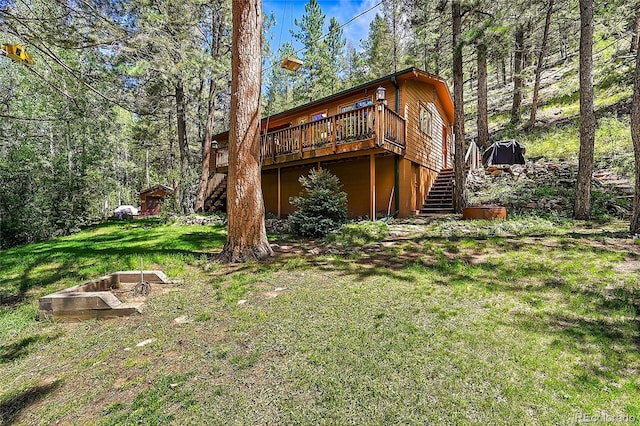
[611, 323]
[22, 347]
[607, 347]
[201, 240]
[11, 408]
[67, 259]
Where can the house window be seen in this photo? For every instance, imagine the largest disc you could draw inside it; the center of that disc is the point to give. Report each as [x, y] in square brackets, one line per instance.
[361, 103]
[426, 119]
[318, 115]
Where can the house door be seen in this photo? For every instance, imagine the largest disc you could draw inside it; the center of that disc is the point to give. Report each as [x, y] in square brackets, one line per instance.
[153, 205]
[445, 150]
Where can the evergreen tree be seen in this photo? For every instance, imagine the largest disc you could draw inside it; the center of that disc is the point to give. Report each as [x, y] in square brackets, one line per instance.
[316, 71]
[321, 207]
[279, 83]
[378, 48]
[335, 43]
[356, 68]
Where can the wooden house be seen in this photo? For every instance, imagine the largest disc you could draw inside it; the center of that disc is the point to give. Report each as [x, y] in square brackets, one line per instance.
[386, 140]
[151, 199]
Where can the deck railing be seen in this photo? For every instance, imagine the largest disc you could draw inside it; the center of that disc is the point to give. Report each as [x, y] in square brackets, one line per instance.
[473, 157]
[222, 157]
[330, 132]
[394, 129]
[355, 125]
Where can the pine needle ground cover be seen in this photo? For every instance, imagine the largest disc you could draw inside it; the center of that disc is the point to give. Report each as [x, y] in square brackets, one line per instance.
[450, 324]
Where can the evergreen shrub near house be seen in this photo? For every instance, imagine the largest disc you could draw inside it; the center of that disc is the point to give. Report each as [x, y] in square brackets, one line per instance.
[321, 206]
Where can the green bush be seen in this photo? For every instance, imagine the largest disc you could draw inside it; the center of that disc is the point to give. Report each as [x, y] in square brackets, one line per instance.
[321, 206]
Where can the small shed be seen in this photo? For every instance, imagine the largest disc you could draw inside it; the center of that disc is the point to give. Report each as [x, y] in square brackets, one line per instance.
[152, 198]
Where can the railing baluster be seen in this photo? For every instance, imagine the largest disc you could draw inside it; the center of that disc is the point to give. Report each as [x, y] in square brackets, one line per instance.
[339, 129]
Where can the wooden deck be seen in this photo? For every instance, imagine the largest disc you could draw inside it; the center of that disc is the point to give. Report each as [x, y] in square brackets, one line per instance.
[369, 127]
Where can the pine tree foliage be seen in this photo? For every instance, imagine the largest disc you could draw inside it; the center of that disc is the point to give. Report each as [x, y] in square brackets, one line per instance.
[335, 43]
[316, 70]
[378, 48]
[279, 83]
[321, 206]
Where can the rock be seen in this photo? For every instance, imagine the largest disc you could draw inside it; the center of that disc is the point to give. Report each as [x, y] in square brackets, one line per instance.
[182, 320]
[145, 342]
[277, 226]
[199, 220]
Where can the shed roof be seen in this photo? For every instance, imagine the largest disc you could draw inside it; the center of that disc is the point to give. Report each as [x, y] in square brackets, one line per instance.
[155, 188]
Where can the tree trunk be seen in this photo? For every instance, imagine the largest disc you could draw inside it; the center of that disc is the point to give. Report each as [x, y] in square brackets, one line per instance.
[247, 236]
[459, 196]
[518, 59]
[183, 145]
[635, 31]
[503, 63]
[543, 49]
[436, 56]
[216, 31]
[527, 57]
[635, 136]
[206, 151]
[563, 43]
[172, 161]
[483, 115]
[587, 115]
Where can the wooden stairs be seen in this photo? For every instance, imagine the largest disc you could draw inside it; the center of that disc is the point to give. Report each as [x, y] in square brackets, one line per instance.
[440, 197]
[217, 199]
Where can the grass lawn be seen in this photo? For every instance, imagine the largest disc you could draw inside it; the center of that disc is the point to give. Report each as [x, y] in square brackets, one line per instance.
[450, 323]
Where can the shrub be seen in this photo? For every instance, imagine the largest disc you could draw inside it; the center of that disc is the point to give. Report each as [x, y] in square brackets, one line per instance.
[321, 206]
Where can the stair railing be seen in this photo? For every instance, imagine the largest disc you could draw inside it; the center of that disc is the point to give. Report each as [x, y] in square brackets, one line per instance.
[472, 157]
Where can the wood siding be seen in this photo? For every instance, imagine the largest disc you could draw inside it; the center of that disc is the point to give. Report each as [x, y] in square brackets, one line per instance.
[421, 148]
[270, 191]
[354, 177]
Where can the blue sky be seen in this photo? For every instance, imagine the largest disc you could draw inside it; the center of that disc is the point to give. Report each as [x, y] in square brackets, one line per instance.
[342, 10]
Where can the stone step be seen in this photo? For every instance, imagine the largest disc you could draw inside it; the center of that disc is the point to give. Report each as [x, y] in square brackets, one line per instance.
[438, 205]
[436, 211]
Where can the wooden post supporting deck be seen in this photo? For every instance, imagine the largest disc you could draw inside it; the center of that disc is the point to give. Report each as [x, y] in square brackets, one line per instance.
[279, 196]
[372, 186]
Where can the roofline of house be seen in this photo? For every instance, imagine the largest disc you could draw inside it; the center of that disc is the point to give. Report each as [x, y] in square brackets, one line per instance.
[431, 78]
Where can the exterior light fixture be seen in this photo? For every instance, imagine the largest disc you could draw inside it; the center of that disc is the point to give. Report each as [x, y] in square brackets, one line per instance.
[214, 144]
[380, 93]
[292, 64]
